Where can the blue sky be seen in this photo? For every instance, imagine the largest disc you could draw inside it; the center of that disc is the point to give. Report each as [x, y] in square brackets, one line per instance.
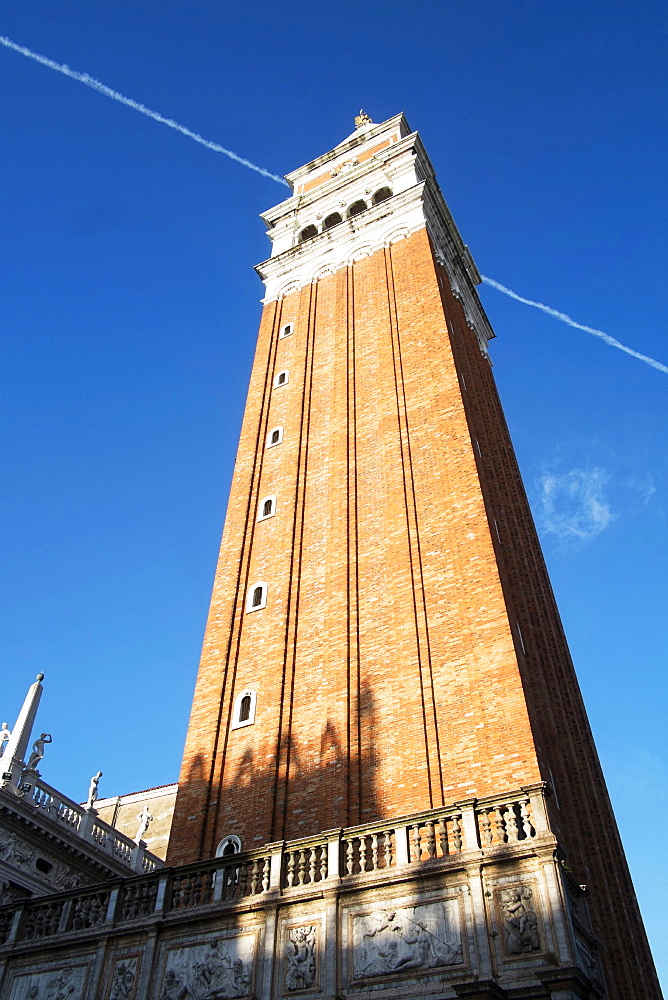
[129, 313]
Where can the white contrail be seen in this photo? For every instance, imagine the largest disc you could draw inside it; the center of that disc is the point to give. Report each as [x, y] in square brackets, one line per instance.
[89, 81]
[578, 326]
[94, 84]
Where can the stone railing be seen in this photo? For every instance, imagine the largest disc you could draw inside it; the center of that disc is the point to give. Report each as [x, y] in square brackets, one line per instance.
[86, 823]
[431, 838]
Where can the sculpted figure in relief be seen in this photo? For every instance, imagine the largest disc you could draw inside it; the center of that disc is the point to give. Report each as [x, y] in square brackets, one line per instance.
[123, 981]
[14, 851]
[520, 922]
[300, 955]
[414, 938]
[214, 971]
[63, 985]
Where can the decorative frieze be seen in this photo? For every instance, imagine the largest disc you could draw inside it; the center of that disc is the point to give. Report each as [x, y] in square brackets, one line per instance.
[406, 939]
[49, 984]
[222, 967]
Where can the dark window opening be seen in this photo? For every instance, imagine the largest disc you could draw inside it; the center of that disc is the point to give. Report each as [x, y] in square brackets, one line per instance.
[244, 708]
[230, 848]
[267, 508]
[275, 436]
[43, 866]
[382, 195]
[307, 233]
[356, 208]
[332, 220]
[257, 597]
[282, 378]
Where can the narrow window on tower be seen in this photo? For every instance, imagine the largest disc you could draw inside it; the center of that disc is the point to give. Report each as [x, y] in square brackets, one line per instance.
[244, 709]
[275, 436]
[257, 597]
[287, 330]
[267, 508]
[382, 195]
[282, 379]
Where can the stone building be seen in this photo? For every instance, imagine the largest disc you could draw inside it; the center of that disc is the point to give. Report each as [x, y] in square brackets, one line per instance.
[389, 785]
[48, 842]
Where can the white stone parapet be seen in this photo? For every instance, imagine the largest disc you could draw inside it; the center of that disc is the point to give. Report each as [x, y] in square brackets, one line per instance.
[468, 900]
[49, 802]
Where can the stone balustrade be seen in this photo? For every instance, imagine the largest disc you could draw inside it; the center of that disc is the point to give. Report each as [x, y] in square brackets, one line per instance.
[436, 836]
[87, 824]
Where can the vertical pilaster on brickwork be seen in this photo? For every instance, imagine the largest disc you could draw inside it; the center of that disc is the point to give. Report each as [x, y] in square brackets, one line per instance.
[475, 889]
[268, 953]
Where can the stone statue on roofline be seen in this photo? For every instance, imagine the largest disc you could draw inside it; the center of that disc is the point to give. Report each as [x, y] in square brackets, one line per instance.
[92, 791]
[144, 818]
[38, 751]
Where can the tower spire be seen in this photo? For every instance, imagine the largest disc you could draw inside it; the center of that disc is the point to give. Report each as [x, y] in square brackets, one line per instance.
[13, 758]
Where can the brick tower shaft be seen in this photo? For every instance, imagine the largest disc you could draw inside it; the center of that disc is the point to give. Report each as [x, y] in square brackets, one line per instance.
[383, 638]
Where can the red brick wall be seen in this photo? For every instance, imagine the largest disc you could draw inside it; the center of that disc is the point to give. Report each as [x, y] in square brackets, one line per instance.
[384, 662]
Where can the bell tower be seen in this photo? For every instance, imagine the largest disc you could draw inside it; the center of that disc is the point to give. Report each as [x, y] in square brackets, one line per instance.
[383, 640]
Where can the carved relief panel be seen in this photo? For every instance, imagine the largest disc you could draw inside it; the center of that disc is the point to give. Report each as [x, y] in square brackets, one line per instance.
[301, 957]
[413, 939]
[518, 917]
[50, 984]
[124, 976]
[219, 967]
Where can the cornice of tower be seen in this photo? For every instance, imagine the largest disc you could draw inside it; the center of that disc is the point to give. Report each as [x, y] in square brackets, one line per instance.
[374, 158]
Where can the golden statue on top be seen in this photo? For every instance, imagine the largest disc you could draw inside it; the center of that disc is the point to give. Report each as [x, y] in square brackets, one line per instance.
[362, 119]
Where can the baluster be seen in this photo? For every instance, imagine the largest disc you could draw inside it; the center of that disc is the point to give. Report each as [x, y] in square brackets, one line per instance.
[511, 823]
[363, 854]
[415, 836]
[431, 840]
[457, 831]
[500, 826]
[387, 847]
[487, 835]
[374, 852]
[242, 880]
[312, 864]
[301, 868]
[350, 856]
[291, 869]
[525, 812]
[254, 876]
[184, 898]
[323, 863]
[266, 867]
[443, 836]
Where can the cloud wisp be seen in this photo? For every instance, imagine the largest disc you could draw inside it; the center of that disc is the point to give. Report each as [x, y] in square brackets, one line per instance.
[578, 326]
[573, 505]
[101, 88]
